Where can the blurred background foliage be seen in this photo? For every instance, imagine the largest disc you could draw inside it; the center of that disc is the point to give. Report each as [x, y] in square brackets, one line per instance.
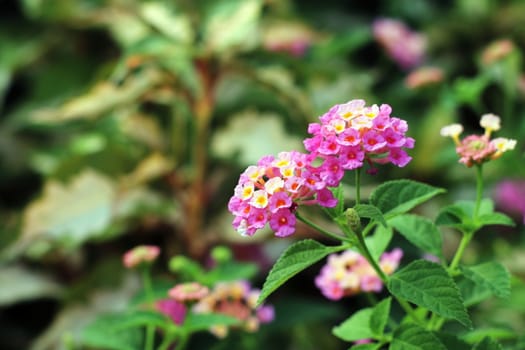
[127, 122]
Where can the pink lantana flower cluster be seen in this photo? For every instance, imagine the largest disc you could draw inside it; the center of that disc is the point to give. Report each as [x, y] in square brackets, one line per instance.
[142, 254]
[181, 297]
[236, 299]
[352, 133]
[270, 191]
[478, 149]
[349, 273]
[347, 136]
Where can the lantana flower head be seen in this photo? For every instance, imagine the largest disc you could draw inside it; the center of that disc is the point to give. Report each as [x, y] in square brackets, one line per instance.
[173, 309]
[236, 299]
[142, 254]
[270, 192]
[349, 273]
[497, 51]
[188, 292]
[424, 76]
[477, 149]
[353, 133]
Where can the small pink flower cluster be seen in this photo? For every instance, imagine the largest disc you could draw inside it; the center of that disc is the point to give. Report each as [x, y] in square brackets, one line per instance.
[349, 273]
[423, 77]
[188, 292]
[403, 45]
[142, 254]
[238, 300]
[478, 149]
[181, 296]
[350, 134]
[271, 191]
[497, 51]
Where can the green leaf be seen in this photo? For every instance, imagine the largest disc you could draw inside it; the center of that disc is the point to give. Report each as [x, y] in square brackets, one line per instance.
[487, 344]
[469, 90]
[295, 310]
[103, 97]
[472, 293]
[21, 284]
[419, 231]
[73, 212]
[492, 275]
[232, 24]
[294, 259]
[231, 271]
[187, 268]
[451, 341]
[378, 242]
[428, 284]
[242, 143]
[478, 335]
[399, 196]
[200, 322]
[105, 333]
[356, 327]
[460, 215]
[371, 212]
[379, 317]
[167, 21]
[410, 336]
[138, 318]
[455, 216]
[495, 219]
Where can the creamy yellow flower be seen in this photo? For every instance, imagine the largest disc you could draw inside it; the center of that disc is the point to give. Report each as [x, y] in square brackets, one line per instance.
[490, 122]
[452, 130]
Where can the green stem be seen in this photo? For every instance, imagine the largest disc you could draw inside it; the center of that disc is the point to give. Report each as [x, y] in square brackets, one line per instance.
[169, 336]
[150, 329]
[465, 240]
[364, 250]
[479, 189]
[368, 228]
[384, 278]
[322, 230]
[467, 236]
[181, 344]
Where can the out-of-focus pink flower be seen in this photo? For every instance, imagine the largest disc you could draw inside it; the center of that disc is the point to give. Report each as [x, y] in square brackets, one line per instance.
[403, 45]
[142, 254]
[236, 299]
[172, 308]
[292, 38]
[475, 149]
[478, 149]
[187, 292]
[509, 196]
[349, 273]
[424, 76]
[497, 51]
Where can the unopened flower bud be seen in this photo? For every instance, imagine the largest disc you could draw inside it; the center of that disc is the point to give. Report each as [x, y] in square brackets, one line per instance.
[353, 219]
[221, 254]
[142, 254]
